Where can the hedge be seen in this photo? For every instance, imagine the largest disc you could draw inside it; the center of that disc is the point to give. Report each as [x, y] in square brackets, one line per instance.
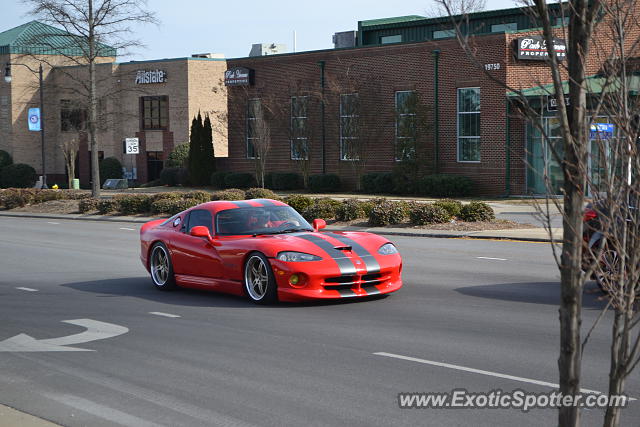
[299, 202]
[350, 210]
[284, 181]
[428, 213]
[88, 205]
[129, 204]
[218, 179]
[110, 168]
[386, 212]
[324, 208]
[5, 159]
[444, 186]
[452, 207]
[174, 176]
[229, 194]
[18, 175]
[239, 180]
[477, 211]
[377, 183]
[324, 183]
[260, 193]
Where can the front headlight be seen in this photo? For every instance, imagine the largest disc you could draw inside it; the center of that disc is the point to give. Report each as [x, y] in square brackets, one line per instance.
[297, 257]
[387, 249]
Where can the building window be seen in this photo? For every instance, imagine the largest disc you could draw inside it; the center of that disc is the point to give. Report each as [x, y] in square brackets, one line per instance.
[349, 127]
[469, 124]
[253, 126]
[564, 21]
[155, 112]
[73, 118]
[443, 34]
[299, 129]
[406, 110]
[391, 39]
[501, 28]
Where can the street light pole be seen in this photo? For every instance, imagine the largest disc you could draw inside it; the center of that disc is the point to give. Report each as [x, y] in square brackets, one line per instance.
[8, 78]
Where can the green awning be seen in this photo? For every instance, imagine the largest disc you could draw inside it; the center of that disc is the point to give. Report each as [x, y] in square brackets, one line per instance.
[595, 84]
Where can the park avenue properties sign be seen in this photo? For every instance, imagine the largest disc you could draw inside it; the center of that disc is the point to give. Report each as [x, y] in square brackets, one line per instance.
[238, 76]
[144, 77]
[535, 48]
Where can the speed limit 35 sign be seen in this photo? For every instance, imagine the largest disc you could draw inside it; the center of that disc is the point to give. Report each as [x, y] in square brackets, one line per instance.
[131, 146]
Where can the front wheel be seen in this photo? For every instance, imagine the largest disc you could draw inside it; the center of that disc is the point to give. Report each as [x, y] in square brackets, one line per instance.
[161, 268]
[259, 281]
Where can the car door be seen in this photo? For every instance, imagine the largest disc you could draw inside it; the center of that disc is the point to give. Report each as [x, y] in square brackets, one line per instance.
[196, 256]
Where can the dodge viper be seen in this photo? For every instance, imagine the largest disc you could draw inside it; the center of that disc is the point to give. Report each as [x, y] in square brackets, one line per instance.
[266, 250]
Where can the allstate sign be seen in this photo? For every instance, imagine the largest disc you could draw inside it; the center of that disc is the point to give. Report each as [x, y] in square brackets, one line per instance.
[34, 119]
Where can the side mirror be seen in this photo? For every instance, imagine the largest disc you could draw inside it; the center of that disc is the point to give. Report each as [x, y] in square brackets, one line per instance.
[319, 224]
[201, 231]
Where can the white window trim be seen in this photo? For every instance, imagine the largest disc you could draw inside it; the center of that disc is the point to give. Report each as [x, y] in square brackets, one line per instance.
[342, 159]
[306, 139]
[458, 112]
[247, 131]
[395, 139]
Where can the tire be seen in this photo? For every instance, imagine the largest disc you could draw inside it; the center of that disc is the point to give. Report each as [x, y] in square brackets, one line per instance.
[161, 268]
[259, 282]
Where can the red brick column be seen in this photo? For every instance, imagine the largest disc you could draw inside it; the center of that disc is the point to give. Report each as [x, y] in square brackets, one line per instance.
[141, 159]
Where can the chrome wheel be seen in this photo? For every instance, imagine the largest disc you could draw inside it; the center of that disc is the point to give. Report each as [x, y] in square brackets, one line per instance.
[608, 274]
[256, 278]
[160, 266]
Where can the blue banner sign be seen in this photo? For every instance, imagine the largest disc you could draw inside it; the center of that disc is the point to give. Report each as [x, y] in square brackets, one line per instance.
[34, 119]
[601, 130]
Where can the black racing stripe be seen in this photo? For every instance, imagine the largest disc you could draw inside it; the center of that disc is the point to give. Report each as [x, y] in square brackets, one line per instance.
[264, 202]
[243, 204]
[370, 261]
[371, 290]
[347, 268]
[347, 293]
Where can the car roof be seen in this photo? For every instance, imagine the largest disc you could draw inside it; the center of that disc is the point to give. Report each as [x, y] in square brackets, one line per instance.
[221, 205]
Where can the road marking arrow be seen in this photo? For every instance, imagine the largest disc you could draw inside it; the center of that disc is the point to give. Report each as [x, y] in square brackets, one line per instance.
[95, 331]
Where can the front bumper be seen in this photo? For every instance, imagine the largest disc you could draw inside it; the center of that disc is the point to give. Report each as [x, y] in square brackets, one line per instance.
[319, 284]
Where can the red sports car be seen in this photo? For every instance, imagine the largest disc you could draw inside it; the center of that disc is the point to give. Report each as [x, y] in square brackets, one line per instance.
[266, 250]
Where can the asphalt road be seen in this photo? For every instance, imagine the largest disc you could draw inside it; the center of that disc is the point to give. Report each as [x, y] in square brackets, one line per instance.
[225, 361]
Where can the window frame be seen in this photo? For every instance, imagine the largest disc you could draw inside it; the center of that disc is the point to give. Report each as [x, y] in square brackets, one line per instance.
[163, 112]
[398, 115]
[390, 36]
[450, 32]
[70, 110]
[299, 139]
[250, 138]
[458, 113]
[342, 137]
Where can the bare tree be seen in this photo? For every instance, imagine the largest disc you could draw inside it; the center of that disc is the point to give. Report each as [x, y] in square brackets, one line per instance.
[598, 159]
[95, 29]
[69, 147]
[261, 117]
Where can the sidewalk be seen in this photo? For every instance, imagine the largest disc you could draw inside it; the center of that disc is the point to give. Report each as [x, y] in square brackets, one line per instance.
[12, 417]
[524, 234]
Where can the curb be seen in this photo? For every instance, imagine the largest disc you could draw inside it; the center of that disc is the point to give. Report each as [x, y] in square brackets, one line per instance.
[133, 220]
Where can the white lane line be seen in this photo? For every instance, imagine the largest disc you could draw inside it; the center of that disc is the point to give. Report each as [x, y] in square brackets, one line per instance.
[478, 371]
[158, 313]
[53, 223]
[125, 228]
[27, 289]
[494, 259]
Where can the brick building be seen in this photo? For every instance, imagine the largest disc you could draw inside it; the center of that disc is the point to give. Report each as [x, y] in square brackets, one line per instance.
[404, 92]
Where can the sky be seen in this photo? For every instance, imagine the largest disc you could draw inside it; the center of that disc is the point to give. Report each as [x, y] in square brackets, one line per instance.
[231, 27]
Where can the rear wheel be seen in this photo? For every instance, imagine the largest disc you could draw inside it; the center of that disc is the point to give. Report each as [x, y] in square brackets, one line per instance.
[161, 268]
[259, 282]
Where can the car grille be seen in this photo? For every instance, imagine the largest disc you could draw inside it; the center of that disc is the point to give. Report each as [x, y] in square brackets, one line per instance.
[365, 281]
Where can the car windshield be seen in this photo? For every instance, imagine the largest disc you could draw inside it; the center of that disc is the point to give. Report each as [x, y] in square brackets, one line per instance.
[260, 220]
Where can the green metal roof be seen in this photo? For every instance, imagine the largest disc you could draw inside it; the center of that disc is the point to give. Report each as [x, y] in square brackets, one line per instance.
[595, 84]
[37, 38]
[393, 20]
